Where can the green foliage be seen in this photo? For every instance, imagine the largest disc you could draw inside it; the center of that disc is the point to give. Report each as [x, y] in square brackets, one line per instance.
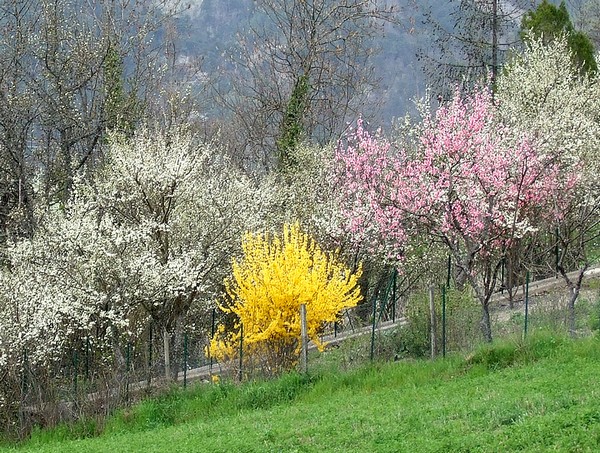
[534, 395]
[81, 429]
[263, 395]
[209, 401]
[462, 323]
[292, 129]
[584, 51]
[151, 414]
[512, 352]
[550, 22]
[117, 118]
[547, 20]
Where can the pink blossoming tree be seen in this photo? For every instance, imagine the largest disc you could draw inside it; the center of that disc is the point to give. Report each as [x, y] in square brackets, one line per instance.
[469, 184]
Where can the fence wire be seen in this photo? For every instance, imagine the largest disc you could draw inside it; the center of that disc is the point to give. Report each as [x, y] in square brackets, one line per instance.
[394, 324]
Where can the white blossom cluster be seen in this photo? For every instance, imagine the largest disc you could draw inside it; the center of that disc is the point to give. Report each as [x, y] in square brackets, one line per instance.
[542, 93]
[151, 236]
[307, 196]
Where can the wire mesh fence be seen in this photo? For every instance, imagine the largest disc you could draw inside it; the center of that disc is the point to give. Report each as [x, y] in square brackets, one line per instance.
[392, 324]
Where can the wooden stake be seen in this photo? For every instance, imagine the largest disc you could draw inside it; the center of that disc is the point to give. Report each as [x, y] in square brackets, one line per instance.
[304, 339]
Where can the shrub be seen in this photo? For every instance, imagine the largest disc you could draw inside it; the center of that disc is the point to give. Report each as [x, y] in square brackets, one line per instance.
[463, 317]
[276, 275]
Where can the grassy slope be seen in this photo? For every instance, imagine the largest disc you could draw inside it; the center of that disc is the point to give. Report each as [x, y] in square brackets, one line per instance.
[514, 397]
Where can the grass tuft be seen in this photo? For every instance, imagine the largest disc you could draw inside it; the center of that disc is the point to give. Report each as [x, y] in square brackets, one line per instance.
[207, 401]
[506, 353]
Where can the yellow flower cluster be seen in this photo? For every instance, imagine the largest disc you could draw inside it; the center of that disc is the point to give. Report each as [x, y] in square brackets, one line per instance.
[276, 275]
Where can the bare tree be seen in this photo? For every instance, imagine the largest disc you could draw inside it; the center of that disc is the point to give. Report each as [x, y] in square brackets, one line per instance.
[575, 236]
[474, 44]
[18, 114]
[70, 71]
[301, 70]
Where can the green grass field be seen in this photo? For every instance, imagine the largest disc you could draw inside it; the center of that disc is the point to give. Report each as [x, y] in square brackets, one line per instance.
[542, 395]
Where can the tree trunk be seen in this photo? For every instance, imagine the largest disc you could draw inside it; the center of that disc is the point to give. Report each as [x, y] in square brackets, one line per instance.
[486, 325]
[460, 278]
[117, 351]
[177, 363]
[483, 292]
[494, 42]
[483, 295]
[574, 289]
[574, 293]
[510, 286]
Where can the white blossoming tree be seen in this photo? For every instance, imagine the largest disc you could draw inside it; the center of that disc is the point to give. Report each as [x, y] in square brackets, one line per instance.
[543, 93]
[148, 239]
[304, 193]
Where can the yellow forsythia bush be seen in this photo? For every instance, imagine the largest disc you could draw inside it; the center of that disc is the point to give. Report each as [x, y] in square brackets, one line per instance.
[275, 276]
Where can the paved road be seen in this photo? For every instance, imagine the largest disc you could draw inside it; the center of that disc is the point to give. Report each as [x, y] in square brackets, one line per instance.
[542, 286]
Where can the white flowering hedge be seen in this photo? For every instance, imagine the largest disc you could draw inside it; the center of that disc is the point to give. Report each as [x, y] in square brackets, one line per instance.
[150, 237]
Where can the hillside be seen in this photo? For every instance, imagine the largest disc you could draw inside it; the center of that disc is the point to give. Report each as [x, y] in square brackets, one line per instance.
[537, 396]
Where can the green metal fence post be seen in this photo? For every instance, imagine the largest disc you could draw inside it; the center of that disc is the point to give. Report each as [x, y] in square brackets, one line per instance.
[503, 264]
[150, 354]
[443, 321]
[212, 335]
[128, 367]
[395, 279]
[75, 366]
[556, 252]
[87, 359]
[373, 329]
[24, 383]
[449, 273]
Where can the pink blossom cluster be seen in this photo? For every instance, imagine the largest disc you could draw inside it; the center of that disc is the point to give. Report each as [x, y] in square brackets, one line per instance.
[470, 179]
